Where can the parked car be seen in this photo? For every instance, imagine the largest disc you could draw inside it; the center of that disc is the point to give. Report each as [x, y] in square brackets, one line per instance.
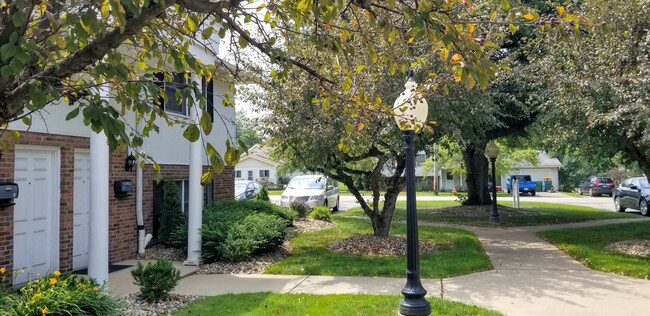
[526, 184]
[596, 185]
[632, 193]
[246, 189]
[315, 190]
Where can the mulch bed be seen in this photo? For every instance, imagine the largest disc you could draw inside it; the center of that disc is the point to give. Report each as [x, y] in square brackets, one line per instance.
[370, 245]
[480, 211]
[640, 248]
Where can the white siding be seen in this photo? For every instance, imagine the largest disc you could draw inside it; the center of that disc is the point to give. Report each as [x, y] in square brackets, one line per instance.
[255, 166]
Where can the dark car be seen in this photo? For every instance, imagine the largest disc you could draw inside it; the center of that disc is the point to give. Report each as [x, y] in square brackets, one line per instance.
[596, 185]
[246, 189]
[633, 193]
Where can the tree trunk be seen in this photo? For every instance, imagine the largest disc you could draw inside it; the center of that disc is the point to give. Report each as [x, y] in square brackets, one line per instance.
[382, 221]
[477, 174]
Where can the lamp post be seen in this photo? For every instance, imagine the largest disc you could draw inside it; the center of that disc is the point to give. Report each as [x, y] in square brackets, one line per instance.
[410, 113]
[492, 151]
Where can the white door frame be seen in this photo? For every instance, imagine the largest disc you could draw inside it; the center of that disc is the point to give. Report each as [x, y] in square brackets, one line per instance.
[56, 196]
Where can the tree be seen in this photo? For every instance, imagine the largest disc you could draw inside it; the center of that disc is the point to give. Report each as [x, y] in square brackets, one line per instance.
[599, 100]
[75, 50]
[247, 132]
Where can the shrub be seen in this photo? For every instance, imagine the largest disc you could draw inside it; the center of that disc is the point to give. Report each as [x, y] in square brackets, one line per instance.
[424, 185]
[256, 233]
[171, 215]
[244, 208]
[156, 280]
[301, 208]
[61, 295]
[263, 195]
[321, 213]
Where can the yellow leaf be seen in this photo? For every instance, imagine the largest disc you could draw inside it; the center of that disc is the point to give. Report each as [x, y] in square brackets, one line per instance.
[561, 10]
[472, 82]
[360, 68]
[360, 126]
[444, 54]
[409, 41]
[529, 17]
[456, 58]
[60, 42]
[106, 9]
[470, 28]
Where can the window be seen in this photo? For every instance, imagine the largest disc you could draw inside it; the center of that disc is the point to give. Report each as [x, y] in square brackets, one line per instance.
[250, 175]
[208, 93]
[450, 176]
[184, 188]
[173, 104]
[264, 173]
[238, 174]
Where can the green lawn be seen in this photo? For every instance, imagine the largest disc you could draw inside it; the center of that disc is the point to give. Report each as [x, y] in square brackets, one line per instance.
[460, 253]
[548, 214]
[305, 304]
[587, 245]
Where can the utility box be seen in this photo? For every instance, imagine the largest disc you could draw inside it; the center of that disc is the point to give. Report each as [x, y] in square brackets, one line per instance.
[8, 192]
[123, 187]
[548, 184]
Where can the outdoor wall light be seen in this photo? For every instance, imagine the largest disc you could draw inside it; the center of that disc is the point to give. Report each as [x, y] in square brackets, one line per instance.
[130, 163]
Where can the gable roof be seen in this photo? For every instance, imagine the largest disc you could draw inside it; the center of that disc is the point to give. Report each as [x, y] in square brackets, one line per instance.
[545, 161]
[261, 153]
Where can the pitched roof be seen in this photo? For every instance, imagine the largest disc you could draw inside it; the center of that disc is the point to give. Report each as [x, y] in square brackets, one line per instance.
[545, 161]
[261, 153]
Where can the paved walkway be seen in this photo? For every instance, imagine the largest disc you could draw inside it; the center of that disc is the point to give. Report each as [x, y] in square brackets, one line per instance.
[530, 277]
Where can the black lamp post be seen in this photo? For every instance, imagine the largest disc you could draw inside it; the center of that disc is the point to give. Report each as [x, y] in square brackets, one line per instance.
[492, 151]
[410, 112]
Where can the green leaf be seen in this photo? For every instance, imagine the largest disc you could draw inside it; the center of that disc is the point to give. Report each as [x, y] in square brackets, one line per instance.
[19, 18]
[72, 114]
[27, 121]
[505, 4]
[206, 123]
[192, 133]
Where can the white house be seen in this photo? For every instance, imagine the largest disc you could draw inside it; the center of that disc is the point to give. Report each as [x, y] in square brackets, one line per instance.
[547, 169]
[257, 165]
[67, 217]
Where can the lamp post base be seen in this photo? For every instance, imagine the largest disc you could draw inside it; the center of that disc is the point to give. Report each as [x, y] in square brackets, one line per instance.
[414, 307]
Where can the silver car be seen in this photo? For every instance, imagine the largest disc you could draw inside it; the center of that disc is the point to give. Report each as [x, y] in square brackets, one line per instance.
[315, 190]
[246, 189]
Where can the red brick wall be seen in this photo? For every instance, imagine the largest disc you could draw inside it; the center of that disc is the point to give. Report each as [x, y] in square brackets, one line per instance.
[122, 218]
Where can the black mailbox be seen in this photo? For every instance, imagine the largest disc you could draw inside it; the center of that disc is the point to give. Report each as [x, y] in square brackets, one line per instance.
[122, 187]
[8, 192]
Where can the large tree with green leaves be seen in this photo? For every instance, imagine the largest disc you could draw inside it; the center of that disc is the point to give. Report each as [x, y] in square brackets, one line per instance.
[600, 98]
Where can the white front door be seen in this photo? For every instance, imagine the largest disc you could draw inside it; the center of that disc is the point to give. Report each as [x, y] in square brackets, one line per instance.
[81, 221]
[36, 213]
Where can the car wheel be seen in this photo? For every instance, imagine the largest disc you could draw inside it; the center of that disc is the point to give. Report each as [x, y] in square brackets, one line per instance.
[336, 207]
[610, 195]
[643, 207]
[508, 191]
[325, 204]
[532, 193]
[591, 192]
[617, 205]
[579, 191]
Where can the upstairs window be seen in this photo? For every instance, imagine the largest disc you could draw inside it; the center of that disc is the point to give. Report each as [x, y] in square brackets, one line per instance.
[208, 93]
[173, 104]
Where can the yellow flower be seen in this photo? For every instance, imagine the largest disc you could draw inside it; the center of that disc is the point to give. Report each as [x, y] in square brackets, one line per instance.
[57, 274]
[38, 296]
[52, 281]
[2, 270]
[95, 289]
[44, 310]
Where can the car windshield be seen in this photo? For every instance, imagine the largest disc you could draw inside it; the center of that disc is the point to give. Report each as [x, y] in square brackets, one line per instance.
[603, 180]
[307, 183]
[522, 178]
[240, 188]
[644, 184]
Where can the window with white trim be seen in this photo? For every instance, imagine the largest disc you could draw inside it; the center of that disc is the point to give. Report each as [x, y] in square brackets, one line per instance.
[175, 103]
[264, 173]
[238, 174]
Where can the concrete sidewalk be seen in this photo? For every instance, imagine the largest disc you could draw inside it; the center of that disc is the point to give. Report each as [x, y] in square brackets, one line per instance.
[530, 277]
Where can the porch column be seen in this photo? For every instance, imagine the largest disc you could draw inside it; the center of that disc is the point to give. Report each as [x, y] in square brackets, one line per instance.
[99, 190]
[195, 207]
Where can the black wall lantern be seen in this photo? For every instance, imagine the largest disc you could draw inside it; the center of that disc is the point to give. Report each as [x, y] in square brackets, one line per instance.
[130, 163]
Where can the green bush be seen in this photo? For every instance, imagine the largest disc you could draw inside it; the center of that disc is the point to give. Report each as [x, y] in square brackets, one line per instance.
[263, 195]
[156, 280]
[171, 215]
[321, 213]
[301, 208]
[235, 230]
[60, 295]
[254, 234]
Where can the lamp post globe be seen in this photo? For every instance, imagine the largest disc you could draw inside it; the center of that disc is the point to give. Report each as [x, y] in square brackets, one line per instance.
[492, 152]
[410, 112]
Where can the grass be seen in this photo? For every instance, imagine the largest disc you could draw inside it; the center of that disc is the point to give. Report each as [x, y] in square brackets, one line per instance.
[548, 214]
[460, 253]
[587, 245]
[306, 304]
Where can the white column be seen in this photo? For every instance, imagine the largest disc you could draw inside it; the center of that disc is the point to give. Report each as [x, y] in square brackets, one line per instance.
[99, 190]
[194, 219]
[138, 195]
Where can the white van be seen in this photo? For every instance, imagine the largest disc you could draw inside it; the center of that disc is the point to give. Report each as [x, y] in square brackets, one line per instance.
[315, 190]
